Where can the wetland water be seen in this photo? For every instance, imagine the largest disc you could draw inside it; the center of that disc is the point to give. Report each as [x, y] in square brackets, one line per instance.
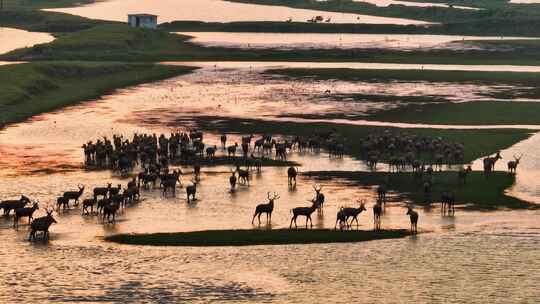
[330, 41]
[473, 257]
[216, 11]
[12, 39]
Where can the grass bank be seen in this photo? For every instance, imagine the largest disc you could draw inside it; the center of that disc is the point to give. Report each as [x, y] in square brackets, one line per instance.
[33, 88]
[480, 193]
[477, 143]
[255, 237]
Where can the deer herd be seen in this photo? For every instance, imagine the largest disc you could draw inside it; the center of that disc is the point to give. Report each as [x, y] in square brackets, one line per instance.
[154, 155]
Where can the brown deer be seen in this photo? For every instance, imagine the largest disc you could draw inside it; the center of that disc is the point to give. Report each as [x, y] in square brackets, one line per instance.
[291, 175]
[89, 202]
[341, 219]
[74, 195]
[42, 224]
[102, 203]
[512, 165]
[63, 202]
[25, 212]
[110, 210]
[489, 163]
[191, 190]
[462, 174]
[9, 205]
[304, 211]
[354, 212]
[231, 150]
[265, 208]
[319, 197]
[243, 175]
[413, 215]
[377, 212]
[115, 190]
[101, 191]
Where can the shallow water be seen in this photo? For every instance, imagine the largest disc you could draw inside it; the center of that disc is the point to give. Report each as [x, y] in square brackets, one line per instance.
[412, 3]
[330, 41]
[12, 39]
[216, 11]
[470, 257]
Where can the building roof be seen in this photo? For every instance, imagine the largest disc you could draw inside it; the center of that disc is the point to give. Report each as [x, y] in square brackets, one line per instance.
[142, 15]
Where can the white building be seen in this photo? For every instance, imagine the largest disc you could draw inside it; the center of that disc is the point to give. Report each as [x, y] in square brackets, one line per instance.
[142, 20]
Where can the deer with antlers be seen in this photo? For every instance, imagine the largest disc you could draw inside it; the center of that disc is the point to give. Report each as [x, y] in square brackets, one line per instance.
[74, 195]
[267, 208]
[9, 205]
[191, 190]
[25, 212]
[413, 215]
[304, 211]
[42, 224]
[512, 165]
[319, 197]
[354, 212]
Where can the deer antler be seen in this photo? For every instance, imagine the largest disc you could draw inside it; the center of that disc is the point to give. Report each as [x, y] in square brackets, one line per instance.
[276, 196]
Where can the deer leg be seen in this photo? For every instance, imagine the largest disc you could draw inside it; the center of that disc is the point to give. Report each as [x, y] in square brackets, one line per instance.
[253, 219]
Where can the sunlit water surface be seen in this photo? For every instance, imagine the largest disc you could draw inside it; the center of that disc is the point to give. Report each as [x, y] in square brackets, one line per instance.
[290, 41]
[472, 257]
[12, 39]
[216, 11]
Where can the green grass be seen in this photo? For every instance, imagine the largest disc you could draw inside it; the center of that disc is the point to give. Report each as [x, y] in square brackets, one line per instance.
[467, 113]
[477, 143]
[255, 237]
[41, 21]
[479, 193]
[33, 88]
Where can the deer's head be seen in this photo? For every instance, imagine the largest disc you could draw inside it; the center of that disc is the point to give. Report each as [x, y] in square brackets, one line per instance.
[272, 199]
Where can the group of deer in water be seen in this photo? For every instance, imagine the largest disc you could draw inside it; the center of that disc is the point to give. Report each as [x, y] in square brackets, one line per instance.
[153, 154]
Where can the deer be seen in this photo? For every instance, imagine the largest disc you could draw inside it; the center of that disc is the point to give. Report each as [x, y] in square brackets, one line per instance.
[512, 165]
[267, 208]
[304, 211]
[232, 180]
[223, 140]
[291, 175]
[377, 212]
[231, 150]
[63, 202]
[211, 152]
[381, 193]
[101, 191]
[243, 175]
[89, 202]
[102, 203]
[319, 197]
[74, 195]
[341, 219]
[42, 224]
[9, 205]
[191, 190]
[489, 163]
[448, 200]
[25, 212]
[354, 212]
[462, 174]
[115, 190]
[110, 210]
[413, 215]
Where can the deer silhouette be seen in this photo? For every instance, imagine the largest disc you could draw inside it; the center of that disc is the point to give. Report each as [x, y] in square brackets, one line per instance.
[74, 195]
[291, 175]
[89, 202]
[265, 208]
[25, 212]
[341, 219]
[243, 175]
[191, 190]
[319, 197]
[462, 174]
[377, 212]
[512, 165]
[232, 180]
[42, 224]
[9, 205]
[489, 163]
[101, 191]
[413, 215]
[304, 211]
[110, 210]
[353, 213]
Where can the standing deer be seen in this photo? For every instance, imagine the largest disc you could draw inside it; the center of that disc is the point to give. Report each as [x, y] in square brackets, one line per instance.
[512, 165]
[191, 190]
[414, 220]
[101, 191]
[231, 150]
[341, 219]
[381, 193]
[223, 140]
[232, 180]
[489, 163]
[448, 200]
[291, 175]
[319, 197]
[304, 211]
[25, 212]
[265, 208]
[243, 175]
[9, 205]
[377, 212]
[462, 174]
[74, 195]
[42, 224]
[115, 190]
[89, 202]
[354, 212]
[110, 210]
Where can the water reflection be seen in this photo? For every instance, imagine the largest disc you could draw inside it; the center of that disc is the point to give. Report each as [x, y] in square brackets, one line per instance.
[12, 39]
